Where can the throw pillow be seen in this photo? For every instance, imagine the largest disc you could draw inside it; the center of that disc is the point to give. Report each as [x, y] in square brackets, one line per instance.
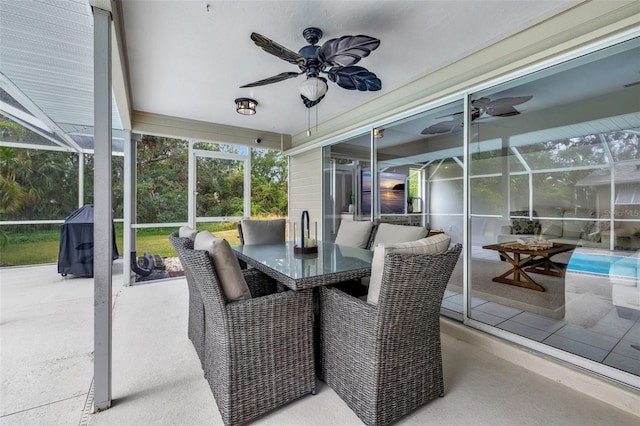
[225, 264]
[354, 233]
[431, 245]
[524, 225]
[389, 233]
[263, 231]
[187, 232]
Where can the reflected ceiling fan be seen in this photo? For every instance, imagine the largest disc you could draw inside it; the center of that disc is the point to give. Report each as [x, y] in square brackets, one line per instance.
[336, 58]
[503, 107]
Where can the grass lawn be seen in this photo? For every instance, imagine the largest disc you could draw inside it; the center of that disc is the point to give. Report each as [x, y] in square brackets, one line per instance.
[46, 245]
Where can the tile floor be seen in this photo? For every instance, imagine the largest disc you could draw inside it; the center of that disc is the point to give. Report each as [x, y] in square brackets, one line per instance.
[612, 341]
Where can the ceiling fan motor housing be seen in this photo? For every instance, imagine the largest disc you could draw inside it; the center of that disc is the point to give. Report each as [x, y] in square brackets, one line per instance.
[312, 65]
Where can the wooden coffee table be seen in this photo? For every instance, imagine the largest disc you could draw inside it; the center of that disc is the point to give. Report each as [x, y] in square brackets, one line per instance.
[525, 260]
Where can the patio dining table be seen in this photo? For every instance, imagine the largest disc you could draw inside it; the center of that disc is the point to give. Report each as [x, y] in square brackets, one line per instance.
[332, 263]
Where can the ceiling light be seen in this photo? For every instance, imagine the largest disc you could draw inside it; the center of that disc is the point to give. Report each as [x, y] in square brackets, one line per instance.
[313, 88]
[246, 106]
[378, 133]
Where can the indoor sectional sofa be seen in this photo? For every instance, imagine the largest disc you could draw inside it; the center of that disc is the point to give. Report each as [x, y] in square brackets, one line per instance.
[566, 226]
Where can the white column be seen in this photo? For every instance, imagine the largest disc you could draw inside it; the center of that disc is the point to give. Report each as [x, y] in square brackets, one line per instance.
[129, 214]
[80, 179]
[102, 220]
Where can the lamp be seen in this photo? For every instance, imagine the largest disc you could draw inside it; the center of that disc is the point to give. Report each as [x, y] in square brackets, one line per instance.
[313, 88]
[246, 106]
[378, 133]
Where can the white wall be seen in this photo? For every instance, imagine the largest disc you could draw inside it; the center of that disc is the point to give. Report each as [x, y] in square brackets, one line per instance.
[305, 188]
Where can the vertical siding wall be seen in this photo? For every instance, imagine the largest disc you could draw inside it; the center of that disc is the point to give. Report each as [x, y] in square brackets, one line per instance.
[305, 188]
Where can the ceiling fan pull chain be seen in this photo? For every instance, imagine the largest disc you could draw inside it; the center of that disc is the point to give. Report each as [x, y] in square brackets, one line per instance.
[308, 121]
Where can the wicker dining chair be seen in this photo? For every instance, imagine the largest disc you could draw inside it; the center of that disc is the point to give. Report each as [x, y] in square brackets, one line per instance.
[259, 351]
[385, 361]
[261, 232]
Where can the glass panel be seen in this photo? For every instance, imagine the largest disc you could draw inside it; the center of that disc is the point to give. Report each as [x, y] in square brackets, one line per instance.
[37, 184]
[424, 154]
[220, 187]
[418, 158]
[220, 147]
[269, 183]
[583, 151]
[556, 259]
[162, 180]
[347, 183]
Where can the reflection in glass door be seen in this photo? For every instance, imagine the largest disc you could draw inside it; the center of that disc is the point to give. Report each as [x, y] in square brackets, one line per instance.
[345, 198]
[553, 179]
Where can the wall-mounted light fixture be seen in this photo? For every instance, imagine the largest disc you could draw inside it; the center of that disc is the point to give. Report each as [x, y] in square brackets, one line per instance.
[246, 106]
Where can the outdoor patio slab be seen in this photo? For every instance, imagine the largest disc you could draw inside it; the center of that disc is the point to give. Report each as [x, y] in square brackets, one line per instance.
[157, 379]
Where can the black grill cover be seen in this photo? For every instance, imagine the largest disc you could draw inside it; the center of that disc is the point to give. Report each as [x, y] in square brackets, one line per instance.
[76, 243]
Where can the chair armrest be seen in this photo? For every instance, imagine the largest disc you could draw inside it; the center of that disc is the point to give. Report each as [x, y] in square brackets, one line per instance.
[286, 311]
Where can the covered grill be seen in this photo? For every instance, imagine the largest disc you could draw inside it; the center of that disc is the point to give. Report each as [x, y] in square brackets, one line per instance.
[76, 243]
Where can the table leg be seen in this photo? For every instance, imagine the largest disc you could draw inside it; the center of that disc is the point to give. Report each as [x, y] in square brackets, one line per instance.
[520, 277]
[548, 267]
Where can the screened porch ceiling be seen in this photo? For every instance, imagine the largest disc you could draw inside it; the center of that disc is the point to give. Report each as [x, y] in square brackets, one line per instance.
[187, 59]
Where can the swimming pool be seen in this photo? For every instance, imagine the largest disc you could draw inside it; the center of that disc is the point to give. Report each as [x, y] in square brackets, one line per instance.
[595, 263]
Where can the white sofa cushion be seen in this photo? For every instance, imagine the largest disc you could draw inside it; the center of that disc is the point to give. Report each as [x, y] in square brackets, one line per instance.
[263, 231]
[354, 233]
[389, 233]
[431, 245]
[187, 232]
[226, 265]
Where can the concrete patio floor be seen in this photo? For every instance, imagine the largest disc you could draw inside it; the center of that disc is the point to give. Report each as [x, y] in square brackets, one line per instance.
[46, 340]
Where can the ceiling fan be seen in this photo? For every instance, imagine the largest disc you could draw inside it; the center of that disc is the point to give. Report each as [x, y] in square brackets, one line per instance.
[336, 58]
[503, 107]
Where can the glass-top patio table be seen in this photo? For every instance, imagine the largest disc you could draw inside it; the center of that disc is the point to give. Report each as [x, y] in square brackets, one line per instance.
[332, 264]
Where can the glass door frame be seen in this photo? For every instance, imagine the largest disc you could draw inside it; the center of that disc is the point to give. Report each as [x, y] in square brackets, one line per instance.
[193, 157]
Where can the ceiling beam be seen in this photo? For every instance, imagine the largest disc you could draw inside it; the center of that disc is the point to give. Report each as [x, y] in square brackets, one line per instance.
[182, 128]
[27, 103]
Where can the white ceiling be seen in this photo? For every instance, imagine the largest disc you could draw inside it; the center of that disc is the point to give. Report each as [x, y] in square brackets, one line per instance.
[189, 61]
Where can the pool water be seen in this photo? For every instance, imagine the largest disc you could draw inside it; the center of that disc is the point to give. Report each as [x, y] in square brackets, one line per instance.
[601, 264]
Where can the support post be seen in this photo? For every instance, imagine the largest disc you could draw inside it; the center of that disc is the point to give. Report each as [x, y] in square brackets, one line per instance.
[102, 220]
[80, 179]
[129, 219]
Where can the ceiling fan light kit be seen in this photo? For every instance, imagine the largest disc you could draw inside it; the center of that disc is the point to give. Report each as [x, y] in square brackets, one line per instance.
[313, 88]
[246, 106]
[336, 58]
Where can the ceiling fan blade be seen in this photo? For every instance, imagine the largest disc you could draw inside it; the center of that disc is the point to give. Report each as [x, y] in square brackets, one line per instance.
[503, 107]
[355, 78]
[516, 100]
[347, 50]
[278, 50]
[442, 127]
[275, 79]
[506, 111]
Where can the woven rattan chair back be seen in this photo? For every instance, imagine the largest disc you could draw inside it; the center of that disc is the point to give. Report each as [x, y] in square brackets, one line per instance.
[385, 361]
[195, 326]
